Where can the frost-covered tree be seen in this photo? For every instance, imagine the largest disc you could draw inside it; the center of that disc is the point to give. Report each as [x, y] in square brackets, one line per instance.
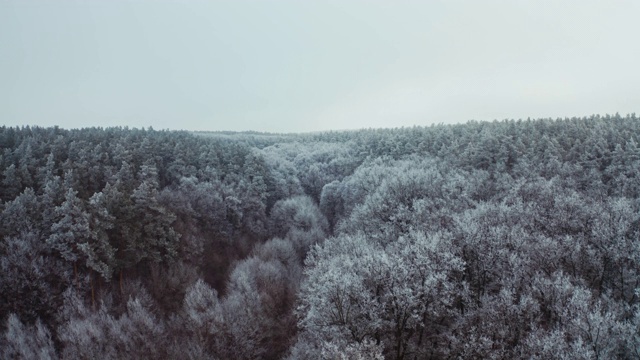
[89, 334]
[31, 281]
[72, 229]
[27, 342]
[154, 238]
[11, 183]
[398, 296]
[299, 220]
[257, 308]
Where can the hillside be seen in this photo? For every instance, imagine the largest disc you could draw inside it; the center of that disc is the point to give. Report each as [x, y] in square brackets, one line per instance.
[485, 240]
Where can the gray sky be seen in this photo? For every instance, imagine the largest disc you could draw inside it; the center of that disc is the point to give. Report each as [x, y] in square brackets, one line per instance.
[303, 65]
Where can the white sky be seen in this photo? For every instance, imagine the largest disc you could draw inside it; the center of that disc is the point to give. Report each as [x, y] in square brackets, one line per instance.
[303, 65]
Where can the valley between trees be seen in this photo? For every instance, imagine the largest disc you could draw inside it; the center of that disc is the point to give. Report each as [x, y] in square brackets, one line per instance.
[486, 240]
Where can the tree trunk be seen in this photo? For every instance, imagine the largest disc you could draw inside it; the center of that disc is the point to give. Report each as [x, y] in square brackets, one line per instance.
[93, 293]
[120, 283]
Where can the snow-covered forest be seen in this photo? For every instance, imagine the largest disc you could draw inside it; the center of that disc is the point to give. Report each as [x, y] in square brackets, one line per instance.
[487, 240]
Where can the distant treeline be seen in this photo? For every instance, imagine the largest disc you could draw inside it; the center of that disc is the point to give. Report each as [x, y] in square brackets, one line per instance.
[484, 240]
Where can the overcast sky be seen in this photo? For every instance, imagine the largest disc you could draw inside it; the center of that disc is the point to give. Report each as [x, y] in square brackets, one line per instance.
[304, 65]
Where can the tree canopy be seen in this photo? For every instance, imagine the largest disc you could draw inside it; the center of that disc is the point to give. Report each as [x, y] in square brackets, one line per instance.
[498, 240]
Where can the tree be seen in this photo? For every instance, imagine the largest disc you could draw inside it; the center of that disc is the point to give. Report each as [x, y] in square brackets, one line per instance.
[53, 195]
[72, 229]
[86, 334]
[11, 183]
[21, 215]
[416, 194]
[576, 325]
[202, 313]
[27, 342]
[299, 220]
[46, 173]
[31, 280]
[98, 251]
[154, 237]
[397, 296]
[257, 308]
[331, 203]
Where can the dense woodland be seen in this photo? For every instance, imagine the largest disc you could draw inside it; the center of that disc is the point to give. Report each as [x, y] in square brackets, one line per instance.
[486, 240]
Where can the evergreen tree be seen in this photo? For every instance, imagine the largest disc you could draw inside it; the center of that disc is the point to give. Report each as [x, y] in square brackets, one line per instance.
[154, 237]
[11, 183]
[72, 229]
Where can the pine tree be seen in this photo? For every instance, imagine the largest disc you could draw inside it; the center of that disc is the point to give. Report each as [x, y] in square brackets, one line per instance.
[72, 228]
[157, 239]
[11, 183]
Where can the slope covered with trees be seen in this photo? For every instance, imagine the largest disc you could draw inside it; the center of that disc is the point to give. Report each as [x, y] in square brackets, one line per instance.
[502, 240]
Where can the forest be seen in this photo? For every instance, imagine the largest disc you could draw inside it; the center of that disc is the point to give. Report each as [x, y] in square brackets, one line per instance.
[514, 239]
